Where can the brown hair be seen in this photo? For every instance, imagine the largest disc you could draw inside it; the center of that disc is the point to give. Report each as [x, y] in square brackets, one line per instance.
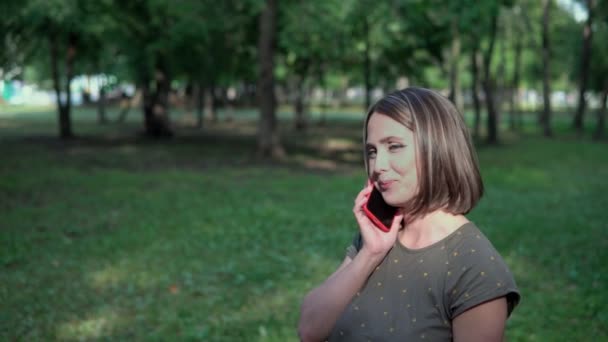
[447, 166]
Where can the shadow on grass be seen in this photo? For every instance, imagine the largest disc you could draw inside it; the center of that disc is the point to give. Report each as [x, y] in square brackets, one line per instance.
[324, 149]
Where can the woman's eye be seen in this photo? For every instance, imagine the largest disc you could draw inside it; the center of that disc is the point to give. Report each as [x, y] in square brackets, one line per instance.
[394, 147]
[371, 153]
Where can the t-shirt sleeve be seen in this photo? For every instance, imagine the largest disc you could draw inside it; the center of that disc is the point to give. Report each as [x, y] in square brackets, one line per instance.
[477, 274]
[355, 246]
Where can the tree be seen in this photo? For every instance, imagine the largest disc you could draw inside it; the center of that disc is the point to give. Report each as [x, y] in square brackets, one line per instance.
[599, 69]
[546, 56]
[474, 64]
[144, 38]
[488, 82]
[220, 52]
[522, 29]
[55, 31]
[12, 39]
[268, 137]
[577, 122]
[307, 37]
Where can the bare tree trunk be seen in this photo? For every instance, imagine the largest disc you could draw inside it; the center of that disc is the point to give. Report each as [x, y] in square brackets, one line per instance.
[63, 108]
[367, 65]
[475, 89]
[212, 102]
[577, 123]
[488, 83]
[300, 116]
[199, 93]
[126, 103]
[66, 120]
[501, 79]
[101, 103]
[228, 104]
[324, 103]
[268, 137]
[156, 104]
[455, 94]
[147, 104]
[546, 53]
[515, 117]
[601, 115]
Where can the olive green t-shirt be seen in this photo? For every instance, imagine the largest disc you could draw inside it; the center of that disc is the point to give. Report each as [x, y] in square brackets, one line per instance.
[413, 295]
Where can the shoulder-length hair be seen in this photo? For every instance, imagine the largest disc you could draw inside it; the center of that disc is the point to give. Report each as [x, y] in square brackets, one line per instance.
[447, 165]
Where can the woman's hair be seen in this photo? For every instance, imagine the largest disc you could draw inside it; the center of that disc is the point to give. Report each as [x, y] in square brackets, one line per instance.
[447, 166]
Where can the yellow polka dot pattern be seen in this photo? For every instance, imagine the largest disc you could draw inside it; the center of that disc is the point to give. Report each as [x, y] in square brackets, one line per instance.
[410, 289]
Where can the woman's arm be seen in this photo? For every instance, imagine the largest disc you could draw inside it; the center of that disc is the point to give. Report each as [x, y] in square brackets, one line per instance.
[322, 307]
[484, 322]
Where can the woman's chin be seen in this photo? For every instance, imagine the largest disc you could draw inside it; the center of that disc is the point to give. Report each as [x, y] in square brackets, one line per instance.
[394, 199]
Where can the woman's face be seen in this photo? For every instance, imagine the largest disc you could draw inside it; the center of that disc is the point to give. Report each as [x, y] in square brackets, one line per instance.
[391, 154]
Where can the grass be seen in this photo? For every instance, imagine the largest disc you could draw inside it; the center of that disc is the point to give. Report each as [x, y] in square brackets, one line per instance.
[113, 237]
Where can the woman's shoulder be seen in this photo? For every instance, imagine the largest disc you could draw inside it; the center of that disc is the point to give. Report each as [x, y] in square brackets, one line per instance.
[477, 272]
[469, 252]
[468, 237]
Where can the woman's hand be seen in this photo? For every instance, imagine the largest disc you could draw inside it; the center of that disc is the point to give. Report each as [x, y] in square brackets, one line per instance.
[375, 241]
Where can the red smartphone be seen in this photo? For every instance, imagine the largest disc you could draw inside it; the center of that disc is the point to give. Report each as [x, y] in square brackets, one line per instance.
[379, 212]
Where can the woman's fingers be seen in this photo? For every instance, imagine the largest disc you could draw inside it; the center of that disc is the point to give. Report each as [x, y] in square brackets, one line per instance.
[362, 197]
[366, 191]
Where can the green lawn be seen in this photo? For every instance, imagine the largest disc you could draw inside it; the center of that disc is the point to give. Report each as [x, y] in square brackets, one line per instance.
[114, 237]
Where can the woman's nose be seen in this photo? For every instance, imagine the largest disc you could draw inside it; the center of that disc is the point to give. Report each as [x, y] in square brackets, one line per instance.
[381, 162]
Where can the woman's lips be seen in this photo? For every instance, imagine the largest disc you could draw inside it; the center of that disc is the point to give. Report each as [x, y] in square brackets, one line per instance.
[385, 185]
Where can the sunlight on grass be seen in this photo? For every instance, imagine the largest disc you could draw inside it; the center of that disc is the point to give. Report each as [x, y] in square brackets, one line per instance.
[94, 327]
[108, 277]
[316, 163]
[11, 111]
[339, 144]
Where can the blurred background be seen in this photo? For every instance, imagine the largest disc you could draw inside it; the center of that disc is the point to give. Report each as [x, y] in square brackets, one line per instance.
[185, 170]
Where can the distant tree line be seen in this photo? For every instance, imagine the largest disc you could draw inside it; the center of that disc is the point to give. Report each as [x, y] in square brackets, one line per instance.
[489, 49]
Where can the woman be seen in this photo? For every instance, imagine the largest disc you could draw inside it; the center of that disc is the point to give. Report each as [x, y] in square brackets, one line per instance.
[434, 276]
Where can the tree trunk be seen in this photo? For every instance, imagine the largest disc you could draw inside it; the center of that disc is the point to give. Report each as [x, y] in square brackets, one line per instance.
[367, 65]
[147, 105]
[66, 120]
[125, 103]
[63, 108]
[324, 102]
[228, 104]
[156, 104]
[199, 93]
[546, 55]
[601, 115]
[488, 83]
[268, 138]
[475, 89]
[577, 123]
[212, 102]
[101, 103]
[455, 95]
[300, 116]
[515, 120]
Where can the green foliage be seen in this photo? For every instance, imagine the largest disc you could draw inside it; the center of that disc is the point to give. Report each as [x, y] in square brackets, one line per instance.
[216, 42]
[308, 34]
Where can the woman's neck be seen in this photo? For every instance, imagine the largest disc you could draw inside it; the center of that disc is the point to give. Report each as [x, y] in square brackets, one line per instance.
[431, 228]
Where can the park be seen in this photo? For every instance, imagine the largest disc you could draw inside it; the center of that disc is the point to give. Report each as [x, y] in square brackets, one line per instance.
[186, 171]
